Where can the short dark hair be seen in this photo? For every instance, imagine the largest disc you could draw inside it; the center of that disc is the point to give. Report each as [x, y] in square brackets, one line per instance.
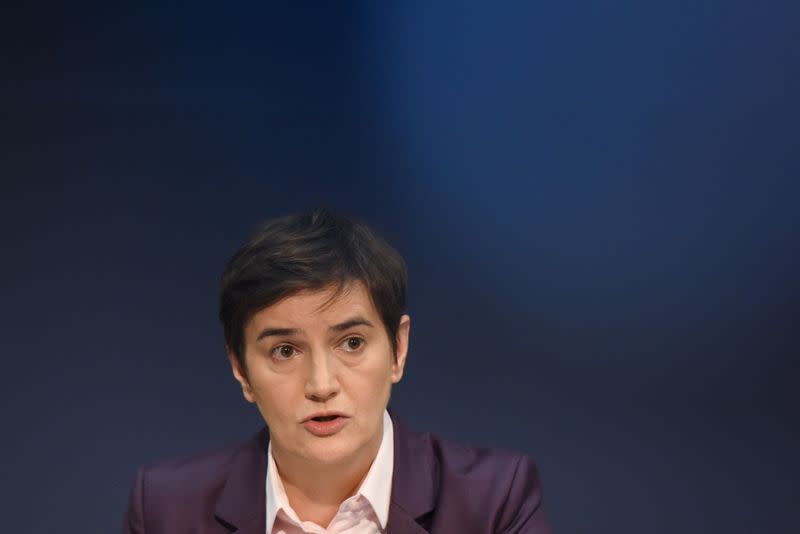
[309, 251]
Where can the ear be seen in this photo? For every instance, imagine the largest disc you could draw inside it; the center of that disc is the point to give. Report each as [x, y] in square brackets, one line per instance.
[241, 376]
[401, 342]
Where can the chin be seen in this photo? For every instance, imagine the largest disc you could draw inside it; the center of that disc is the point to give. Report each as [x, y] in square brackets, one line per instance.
[333, 455]
[331, 451]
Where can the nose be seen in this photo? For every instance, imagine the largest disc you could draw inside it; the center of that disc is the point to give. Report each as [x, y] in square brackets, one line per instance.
[322, 383]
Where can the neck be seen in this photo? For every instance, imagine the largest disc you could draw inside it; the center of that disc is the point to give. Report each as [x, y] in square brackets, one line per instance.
[315, 491]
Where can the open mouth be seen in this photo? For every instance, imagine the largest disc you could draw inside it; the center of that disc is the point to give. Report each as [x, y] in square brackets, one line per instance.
[325, 425]
[325, 418]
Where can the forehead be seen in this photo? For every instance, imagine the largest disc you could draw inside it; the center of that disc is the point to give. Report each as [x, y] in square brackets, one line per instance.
[324, 307]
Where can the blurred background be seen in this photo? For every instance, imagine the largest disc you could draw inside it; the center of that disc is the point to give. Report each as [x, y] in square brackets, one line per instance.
[598, 203]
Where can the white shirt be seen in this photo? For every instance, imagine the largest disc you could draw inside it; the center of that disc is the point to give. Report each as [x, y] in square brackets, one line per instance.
[366, 511]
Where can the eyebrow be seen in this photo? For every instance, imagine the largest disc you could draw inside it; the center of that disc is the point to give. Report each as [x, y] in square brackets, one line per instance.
[350, 323]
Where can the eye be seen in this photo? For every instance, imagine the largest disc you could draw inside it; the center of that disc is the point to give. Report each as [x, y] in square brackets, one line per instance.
[283, 352]
[353, 344]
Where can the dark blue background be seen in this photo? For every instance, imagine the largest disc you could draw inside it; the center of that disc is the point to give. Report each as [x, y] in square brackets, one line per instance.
[598, 204]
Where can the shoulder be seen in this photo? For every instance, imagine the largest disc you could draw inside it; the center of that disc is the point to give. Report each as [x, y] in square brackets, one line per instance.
[484, 470]
[498, 489]
[463, 463]
[190, 473]
[492, 489]
[171, 491]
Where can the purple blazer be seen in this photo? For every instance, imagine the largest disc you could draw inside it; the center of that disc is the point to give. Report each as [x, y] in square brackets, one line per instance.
[437, 487]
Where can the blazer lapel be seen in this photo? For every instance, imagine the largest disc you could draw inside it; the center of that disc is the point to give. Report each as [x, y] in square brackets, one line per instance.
[240, 506]
[401, 522]
[413, 483]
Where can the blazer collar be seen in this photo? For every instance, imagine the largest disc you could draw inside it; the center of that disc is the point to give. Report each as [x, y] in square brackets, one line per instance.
[413, 480]
[240, 506]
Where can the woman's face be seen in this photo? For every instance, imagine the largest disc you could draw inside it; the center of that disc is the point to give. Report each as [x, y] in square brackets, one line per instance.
[311, 354]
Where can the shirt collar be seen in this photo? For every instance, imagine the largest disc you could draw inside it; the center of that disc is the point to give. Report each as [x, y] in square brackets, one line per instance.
[376, 486]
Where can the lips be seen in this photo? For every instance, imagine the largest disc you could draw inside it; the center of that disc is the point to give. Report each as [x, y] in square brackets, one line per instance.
[323, 416]
[325, 423]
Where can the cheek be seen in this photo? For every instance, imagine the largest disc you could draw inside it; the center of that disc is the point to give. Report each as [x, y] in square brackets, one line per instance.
[276, 400]
[370, 382]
